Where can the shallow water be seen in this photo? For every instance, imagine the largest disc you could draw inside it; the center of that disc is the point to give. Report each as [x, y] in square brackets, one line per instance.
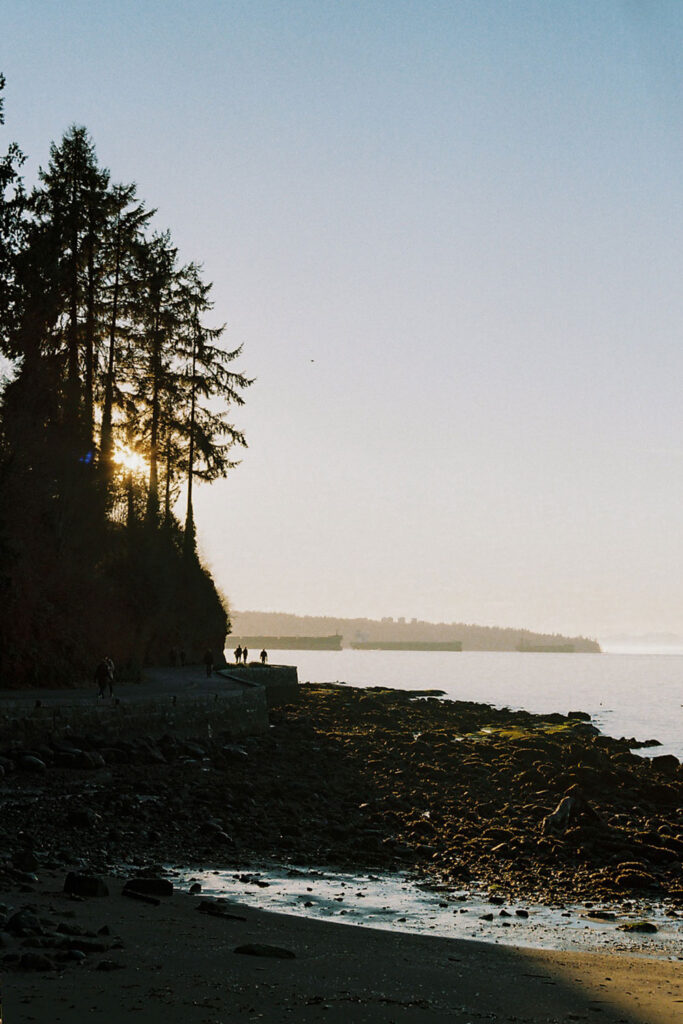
[638, 695]
[397, 902]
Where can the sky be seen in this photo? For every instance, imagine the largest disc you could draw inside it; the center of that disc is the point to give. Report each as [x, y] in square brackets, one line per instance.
[448, 236]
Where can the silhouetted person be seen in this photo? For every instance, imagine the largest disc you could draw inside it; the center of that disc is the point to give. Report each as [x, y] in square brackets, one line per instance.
[104, 676]
[238, 655]
[264, 656]
[110, 666]
[245, 652]
[208, 662]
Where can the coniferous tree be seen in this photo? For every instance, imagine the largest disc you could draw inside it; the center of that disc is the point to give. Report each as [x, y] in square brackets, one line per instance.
[210, 388]
[127, 220]
[106, 329]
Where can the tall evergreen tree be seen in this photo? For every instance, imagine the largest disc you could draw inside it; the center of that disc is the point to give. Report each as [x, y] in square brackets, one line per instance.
[70, 205]
[210, 387]
[105, 328]
[127, 221]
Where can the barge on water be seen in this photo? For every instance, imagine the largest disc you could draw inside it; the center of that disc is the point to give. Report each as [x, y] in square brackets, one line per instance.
[407, 645]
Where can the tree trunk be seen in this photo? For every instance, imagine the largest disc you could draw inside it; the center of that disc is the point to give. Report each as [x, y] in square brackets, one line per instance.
[153, 493]
[189, 539]
[167, 496]
[72, 335]
[107, 408]
[89, 344]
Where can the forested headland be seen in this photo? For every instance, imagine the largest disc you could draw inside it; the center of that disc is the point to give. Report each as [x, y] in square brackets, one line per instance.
[473, 637]
[116, 398]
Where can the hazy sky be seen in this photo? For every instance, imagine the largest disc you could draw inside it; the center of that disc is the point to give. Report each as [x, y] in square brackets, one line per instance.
[449, 236]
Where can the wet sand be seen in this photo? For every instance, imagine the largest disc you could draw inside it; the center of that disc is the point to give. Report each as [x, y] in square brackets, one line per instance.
[178, 964]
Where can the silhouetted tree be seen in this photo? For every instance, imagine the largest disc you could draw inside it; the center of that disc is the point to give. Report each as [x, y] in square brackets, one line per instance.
[126, 222]
[103, 328]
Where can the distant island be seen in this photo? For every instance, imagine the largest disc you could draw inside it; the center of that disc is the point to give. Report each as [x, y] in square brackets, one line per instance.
[397, 634]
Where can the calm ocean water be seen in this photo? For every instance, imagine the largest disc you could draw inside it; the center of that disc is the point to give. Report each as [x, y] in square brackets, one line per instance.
[637, 695]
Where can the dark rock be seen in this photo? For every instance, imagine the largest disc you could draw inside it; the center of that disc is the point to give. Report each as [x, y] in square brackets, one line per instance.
[638, 926]
[149, 886]
[66, 928]
[632, 879]
[35, 962]
[25, 860]
[665, 763]
[261, 949]
[81, 817]
[193, 749]
[109, 965]
[73, 955]
[233, 751]
[24, 922]
[84, 885]
[85, 945]
[195, 888]
[29, 763]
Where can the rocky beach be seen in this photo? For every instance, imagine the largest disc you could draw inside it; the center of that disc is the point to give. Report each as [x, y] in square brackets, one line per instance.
[541, 809]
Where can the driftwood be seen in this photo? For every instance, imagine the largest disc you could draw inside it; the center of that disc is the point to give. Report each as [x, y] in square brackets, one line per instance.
[217, 909]
[143, 897]
[572, 806]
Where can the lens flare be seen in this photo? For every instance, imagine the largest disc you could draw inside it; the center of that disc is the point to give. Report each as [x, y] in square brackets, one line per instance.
[129, 459]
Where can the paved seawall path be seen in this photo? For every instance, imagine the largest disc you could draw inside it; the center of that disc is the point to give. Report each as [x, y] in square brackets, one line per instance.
[167, 699]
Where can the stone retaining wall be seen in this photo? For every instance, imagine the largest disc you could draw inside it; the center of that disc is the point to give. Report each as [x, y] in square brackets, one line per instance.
[238, 713]
[281, 682]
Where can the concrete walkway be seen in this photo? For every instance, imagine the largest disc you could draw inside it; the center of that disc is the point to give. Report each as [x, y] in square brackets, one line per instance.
[186, 683]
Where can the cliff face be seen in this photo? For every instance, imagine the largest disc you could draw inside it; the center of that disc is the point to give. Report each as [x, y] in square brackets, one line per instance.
[473, 637]
[143, 596]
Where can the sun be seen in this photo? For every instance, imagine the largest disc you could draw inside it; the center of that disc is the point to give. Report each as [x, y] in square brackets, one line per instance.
[129, 459]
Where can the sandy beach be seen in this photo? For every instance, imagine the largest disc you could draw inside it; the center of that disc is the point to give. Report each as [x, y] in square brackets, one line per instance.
[175, 963]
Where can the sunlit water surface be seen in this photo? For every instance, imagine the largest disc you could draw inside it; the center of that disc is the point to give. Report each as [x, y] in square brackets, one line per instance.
[398, 903]
[638, 695]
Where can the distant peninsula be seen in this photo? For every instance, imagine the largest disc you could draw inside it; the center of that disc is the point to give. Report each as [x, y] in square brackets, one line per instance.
[402, 632]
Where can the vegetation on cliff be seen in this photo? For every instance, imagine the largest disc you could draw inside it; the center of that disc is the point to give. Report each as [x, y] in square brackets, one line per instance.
[116, 396]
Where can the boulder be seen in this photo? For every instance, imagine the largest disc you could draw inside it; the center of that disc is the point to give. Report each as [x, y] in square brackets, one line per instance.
[84, 885]
[35, 962]
[151, 886]
[23, 923]
[665, 763]
[646, 927]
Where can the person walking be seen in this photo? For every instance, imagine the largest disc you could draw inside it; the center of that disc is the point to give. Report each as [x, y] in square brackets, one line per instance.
[110, 675]
[245, 653]
[104, 676]
[264, 656]
[208, 663]
[238, 654]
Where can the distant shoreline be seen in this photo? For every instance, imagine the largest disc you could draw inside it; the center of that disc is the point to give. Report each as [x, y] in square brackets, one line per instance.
[399, 633]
